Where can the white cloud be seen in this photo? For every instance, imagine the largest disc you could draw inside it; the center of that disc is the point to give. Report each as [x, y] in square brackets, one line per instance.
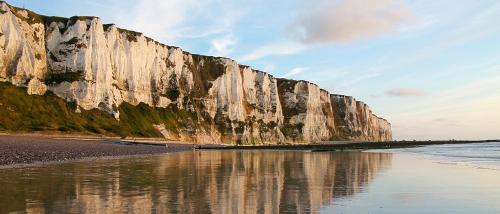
[333, 21]
[223, 46]
[275, 48]
[294, 72]
[405, 92]
[450, 98]
[269, 67]
[222, 25]
[468, 106]
[171, 20]
[158, 18]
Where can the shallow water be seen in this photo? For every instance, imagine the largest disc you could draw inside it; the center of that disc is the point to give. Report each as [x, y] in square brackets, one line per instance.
[389, 181]
[482, 155]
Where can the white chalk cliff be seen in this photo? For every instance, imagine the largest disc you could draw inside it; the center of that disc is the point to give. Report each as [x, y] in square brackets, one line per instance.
[102, 66]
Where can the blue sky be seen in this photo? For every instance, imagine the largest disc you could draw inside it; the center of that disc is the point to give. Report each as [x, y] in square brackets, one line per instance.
[431, 67]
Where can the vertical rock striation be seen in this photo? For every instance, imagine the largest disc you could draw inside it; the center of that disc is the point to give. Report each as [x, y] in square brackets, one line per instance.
[356, 121]
[101, 67]
[307, 111]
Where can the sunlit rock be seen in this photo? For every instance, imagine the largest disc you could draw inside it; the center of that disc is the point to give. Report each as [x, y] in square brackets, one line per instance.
[101, 66]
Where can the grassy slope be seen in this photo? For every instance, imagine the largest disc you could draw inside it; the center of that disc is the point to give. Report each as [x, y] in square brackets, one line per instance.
[21, 112]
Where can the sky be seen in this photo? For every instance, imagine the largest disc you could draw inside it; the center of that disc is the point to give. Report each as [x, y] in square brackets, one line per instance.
[431, 67]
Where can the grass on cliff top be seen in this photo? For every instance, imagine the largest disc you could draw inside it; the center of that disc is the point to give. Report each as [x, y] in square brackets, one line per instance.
[20, 112]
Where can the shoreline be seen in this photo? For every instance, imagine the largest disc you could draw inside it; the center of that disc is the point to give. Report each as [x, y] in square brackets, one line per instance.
[344, 145]
[28, 150]
[88, 137]
[35, 149]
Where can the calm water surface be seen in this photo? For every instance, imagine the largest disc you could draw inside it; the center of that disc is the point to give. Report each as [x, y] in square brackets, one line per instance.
[418, 180]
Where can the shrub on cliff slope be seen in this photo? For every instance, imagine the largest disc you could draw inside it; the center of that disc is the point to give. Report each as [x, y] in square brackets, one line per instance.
[21, 112]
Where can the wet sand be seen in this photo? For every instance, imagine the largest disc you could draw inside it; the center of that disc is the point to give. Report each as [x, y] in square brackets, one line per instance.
[21, 150]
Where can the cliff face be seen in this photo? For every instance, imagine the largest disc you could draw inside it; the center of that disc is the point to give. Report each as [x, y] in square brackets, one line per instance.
[101, 67]
[355, 120]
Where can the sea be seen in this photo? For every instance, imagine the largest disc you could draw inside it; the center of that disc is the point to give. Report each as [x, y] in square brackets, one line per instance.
[461, 178]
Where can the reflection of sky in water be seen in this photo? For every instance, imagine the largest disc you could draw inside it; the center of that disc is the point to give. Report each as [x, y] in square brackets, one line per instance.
[434, 179]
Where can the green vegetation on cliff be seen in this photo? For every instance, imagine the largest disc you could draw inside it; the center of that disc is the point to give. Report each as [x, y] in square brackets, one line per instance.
[21, 112]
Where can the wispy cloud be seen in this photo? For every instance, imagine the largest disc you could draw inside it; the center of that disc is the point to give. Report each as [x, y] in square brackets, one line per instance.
[223, 25]
[172, 20]
[451, 98]
[470, 105]
[336, 21]
[405, 92]
[161, 19]
[278, 48]
[470, 119]
[223, 46]
[269, 67]
[332, 21]
[446, 122]
[294, 72]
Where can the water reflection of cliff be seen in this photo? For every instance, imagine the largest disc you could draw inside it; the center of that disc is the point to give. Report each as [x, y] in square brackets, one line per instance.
[198, 182]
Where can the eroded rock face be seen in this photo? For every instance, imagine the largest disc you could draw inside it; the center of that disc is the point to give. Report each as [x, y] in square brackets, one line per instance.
[107, 66]
[245, 104]
[22, 46]
[102, 66]
[307, 111]
[355, 120]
